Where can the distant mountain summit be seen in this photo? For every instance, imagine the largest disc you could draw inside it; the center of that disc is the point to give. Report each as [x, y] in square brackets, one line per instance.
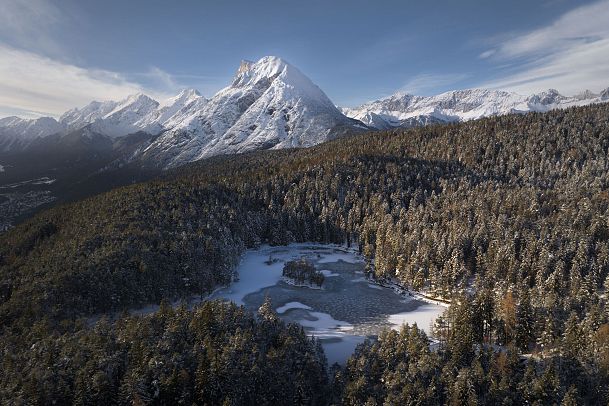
[137, 112]
[17, 133]
[406, 110]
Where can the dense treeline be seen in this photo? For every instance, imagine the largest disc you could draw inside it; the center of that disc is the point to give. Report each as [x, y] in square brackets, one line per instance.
[216, 354]
[401, 369]
[511, 210]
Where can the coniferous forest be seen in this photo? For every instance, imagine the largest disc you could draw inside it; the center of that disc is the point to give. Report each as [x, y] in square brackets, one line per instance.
[505, 217]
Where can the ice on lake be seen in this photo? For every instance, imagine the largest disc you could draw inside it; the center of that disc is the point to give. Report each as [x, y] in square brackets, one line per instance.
[346, 311]
[290, 306]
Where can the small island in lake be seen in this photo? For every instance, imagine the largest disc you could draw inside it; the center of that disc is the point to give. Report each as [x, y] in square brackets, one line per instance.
[302, 272]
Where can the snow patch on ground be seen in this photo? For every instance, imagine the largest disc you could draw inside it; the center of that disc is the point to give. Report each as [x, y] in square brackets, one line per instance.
[423, 316]
[40, 181]
[290, 306]
[265, 275]
[323, 325]
[411, 294]
[327, 273]
[345, 256]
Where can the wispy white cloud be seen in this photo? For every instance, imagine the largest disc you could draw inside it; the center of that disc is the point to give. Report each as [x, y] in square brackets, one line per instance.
[577, 27]
[39, 77]
[585, 67]
[31, 24]
[423, 83]
[570, 54]
[34, 85]
[487, 54]
[159, 79]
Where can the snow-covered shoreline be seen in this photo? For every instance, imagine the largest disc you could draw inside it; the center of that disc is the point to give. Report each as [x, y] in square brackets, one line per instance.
[340, 313]
[392, 284]
[347, 309]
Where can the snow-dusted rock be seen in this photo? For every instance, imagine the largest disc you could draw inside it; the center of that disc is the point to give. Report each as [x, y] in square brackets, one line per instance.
[17, 133]
[136, 113]
[177, 109]
[77, 118]
[406, 110]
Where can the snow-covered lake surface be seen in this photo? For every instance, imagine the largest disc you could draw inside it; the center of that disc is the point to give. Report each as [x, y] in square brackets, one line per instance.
[348, 308]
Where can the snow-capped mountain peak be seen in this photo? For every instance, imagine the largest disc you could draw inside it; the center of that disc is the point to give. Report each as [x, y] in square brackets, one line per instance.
[183, 98]
[272, 68]
[77, 118]
[546, 98]
[137, 100]
[178, 109]
[269, 104]
[266, 69]
[135, 113]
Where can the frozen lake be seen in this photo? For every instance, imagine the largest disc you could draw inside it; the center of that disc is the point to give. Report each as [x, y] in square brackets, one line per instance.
[343, 313]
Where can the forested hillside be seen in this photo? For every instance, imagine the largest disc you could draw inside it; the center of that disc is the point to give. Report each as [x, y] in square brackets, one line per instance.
[507, 217]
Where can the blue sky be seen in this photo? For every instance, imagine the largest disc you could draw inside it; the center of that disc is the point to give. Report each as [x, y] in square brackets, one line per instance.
[55, 55]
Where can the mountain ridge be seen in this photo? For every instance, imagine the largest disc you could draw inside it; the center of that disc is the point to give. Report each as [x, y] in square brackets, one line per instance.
[406, 110]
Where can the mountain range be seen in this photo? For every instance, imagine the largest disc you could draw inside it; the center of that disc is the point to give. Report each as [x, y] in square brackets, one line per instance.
[406, 110]
[270, 104]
